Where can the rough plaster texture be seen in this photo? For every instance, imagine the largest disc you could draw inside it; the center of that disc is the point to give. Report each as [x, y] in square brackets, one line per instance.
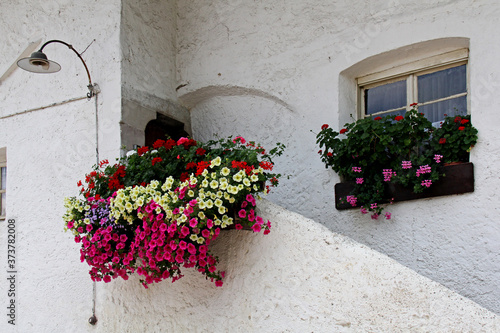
[49, 149]
[271, 72]
[92, 29]
[305, 55]
[299, 278]
[51, 283]
[148, 36]
[148, 69]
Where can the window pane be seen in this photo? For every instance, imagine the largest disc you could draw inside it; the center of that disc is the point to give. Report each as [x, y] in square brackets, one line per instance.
[392, 114]
[435, 111]
[386, 97]
[442, 84]
[3, 178]
[2, 204]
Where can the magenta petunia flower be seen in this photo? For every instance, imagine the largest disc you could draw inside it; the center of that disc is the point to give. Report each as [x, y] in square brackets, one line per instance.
[257, 227]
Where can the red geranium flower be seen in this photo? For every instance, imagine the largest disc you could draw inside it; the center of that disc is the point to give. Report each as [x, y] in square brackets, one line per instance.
[398, 118]
[457, 119]
[170, 143]
[201, 166]
[413, 104]
[266, 165]
[156, 160]
[142, 150]
[191, 165]
[325, 126]
[464, 121]
[377, 118]
[442, 141]
[158, 143]
[342, 131]
[200, 151]
[461, 128]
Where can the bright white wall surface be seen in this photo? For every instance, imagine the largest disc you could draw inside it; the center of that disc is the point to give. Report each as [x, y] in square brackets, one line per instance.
[49, 148]
[270, 72]
[276, 70]
[148, 43]
[148, 36]
[299, 278]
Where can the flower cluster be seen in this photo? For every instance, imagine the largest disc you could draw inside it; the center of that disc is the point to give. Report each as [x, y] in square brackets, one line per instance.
[454, 139]
[423, 169]
[388, 173]
[155, 226]
[405, 150]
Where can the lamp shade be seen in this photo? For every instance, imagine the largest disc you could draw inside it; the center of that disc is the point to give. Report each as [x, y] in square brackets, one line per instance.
[38, 63]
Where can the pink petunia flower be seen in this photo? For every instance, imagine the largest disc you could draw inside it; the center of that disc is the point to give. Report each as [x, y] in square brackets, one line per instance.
[257, 227]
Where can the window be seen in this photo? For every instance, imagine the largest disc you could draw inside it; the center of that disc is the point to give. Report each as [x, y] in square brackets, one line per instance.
[437, 84]
[163, 127]
[3, 181]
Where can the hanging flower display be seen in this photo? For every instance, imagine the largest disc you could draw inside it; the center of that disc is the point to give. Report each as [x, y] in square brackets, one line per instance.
[159, 208]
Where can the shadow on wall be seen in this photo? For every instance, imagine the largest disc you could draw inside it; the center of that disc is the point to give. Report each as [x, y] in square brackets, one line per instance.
[222, 111]
[219, 112]
[163, 127]
[300, 277]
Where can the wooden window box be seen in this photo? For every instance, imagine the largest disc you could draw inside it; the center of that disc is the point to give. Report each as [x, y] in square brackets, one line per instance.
[458, 179]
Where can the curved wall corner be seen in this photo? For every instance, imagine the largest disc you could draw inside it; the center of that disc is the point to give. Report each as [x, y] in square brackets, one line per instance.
[301, 277]
[219, 112]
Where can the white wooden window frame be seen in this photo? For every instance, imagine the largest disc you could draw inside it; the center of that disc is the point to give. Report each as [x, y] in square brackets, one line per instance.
[410, 73]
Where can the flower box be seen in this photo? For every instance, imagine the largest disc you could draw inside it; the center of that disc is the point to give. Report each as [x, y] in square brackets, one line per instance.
[458, 179]
[158, 210]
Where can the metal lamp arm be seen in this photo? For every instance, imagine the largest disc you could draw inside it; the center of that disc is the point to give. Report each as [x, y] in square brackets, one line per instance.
[90, 86]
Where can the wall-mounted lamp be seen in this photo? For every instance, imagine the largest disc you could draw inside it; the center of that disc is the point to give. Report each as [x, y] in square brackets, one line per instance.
[39, 63]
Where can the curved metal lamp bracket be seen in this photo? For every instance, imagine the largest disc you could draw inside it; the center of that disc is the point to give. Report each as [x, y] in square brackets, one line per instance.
[38, 59]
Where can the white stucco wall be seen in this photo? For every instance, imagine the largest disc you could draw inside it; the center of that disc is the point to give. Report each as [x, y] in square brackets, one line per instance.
[271, 73]
[49, 149]
[299, 278]
[250, 64]
[148, 42]
[148, 36]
